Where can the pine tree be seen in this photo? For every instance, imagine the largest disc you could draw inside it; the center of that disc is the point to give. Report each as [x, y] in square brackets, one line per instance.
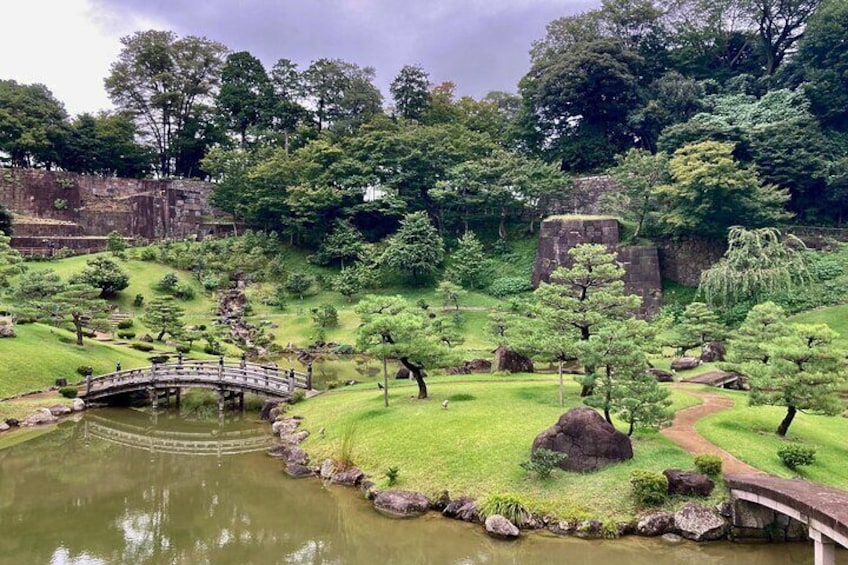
[416, 247]
[467, 262]
[165, 316]
[698, 326]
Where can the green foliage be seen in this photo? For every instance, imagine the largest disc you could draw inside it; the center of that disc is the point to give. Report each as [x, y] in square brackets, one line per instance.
[416, 248]
[142, 346]
[796, 455]
[698, 325]
[37, 285]
[351, 280]
[467, 262]
[347, 445]
[391, 328]
[104, 274]
[126, 334]
[297, 395]
[164, 316]
[68, 391]
[757, 262]
[149, 253]
[138, 300]
[637, 174]
[710, 191]
[508, 505]
[299, 283]
[344, 243]
[169, 282]
[649, 487]
[116, 243]
[450, 294]
[125, 324]
[708, 464]
[392, 474]
[11, 262]
[184, 291]
[324, 318]
[509, 286]
[543, 462]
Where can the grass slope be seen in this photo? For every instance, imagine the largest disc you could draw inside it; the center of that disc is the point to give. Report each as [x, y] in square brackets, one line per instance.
[748, 433]
[476, 445]
[834, 316]
[40, 354]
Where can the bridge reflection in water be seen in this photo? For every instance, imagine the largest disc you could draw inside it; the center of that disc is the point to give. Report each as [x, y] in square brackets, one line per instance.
[215, 442]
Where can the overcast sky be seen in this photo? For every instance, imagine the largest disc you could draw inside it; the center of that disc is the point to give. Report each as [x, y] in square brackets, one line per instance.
[481, 45]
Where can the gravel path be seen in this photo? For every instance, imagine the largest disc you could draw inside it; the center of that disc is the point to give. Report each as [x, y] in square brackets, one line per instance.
[683, 433]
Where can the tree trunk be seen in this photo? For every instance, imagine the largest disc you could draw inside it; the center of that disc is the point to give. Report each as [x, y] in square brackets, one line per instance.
[787, 421]
[417, 373]
[561, 385]
[161, 334]
[385, 383]
[78, 329]
[502, 225]
[630, 429]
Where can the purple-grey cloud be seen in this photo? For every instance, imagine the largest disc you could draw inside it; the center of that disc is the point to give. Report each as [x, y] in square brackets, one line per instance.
[481, 45]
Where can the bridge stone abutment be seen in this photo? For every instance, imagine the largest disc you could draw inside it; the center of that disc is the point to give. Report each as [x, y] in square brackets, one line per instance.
[823, 510]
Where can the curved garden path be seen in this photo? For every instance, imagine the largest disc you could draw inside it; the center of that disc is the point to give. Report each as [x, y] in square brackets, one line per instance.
[682, 430]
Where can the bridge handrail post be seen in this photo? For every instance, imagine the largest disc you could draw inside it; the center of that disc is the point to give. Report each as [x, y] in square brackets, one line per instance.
[309, 376]
[88, 371]
[153, 373]
[291, 380]
[221, 368]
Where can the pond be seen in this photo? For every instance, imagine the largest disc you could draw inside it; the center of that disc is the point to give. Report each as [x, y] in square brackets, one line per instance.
[124, 486]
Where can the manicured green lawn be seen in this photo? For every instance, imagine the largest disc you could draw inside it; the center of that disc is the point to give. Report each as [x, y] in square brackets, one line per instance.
[475, 446]
[40, 354]
[748, 433]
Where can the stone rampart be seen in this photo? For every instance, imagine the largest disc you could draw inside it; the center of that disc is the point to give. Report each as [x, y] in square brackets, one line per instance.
[683, 260]
[559, 234]
[56, 206]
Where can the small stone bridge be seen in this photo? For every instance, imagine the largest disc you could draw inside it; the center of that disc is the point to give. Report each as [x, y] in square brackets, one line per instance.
[823, 509]
[230, 380]
[179, 443]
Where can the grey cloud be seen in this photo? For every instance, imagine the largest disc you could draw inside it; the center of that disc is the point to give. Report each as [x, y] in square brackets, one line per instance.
[481, 45]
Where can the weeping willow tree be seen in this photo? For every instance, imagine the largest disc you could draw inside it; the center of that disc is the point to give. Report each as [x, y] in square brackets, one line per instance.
[758, 262]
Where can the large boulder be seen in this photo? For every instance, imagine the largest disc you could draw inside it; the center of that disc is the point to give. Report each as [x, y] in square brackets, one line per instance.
[655, 524]
[661, 375]
[685, 363]
[401, 503]
[500, 527]
[511, 361]
[4, 426]
[462, 508]
[7, 330]
[78, 405]
[713, 351]
[700, 523]
[688, 483]
[589, 441]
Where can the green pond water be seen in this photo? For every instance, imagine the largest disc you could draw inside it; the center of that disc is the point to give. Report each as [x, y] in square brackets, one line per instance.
[122, 486]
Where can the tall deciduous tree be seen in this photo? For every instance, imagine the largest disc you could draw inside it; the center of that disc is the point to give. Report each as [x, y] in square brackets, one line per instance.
[343, 94]
[467, 262]
[245, 96]
[780, 24]
[637, 174]
[106, 145]
[391, 328]
[710, 191]
[344, 243]
[33, 124]
[411, 92]
[164, 81]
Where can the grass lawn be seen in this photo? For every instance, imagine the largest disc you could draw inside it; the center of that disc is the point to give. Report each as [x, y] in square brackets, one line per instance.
[834, 316]
[748, 433]
[476, 445]
[20, 408]
[40, 354]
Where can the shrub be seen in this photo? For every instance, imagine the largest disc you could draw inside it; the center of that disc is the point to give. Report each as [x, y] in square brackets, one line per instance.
[183, 348]
[82, 370]
[169, 282]
[297, 396]
[68, 391]
[392, 475]
[211, 282]
[796, 455]
[708, 464]
[543, 462]
[507, 505]
[649, 487]
[142, 346]
[138, 300]
[125, 324]
[509, 286]
[148, 254]
[126, 334]
[184, 291]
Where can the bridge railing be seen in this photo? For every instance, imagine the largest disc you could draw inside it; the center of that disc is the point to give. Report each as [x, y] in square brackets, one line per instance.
[262, 378]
